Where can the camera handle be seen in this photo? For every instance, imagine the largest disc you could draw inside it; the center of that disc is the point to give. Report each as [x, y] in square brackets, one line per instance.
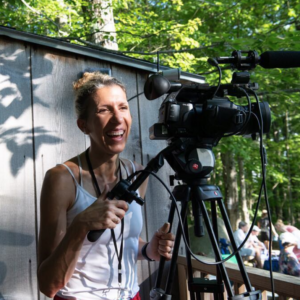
[126, 191]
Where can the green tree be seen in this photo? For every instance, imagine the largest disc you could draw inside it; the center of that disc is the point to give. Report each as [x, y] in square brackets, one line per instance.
[184, 33]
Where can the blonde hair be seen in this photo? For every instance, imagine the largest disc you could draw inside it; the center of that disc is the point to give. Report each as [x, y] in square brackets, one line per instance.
[87, 86]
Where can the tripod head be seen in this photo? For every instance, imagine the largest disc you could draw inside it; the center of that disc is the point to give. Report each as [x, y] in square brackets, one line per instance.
[192, 160]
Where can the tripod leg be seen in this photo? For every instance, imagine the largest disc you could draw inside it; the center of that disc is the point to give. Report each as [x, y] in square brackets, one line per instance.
[215, 229]
[162, 259]
[184, 208]
[189, 263]
[197, 192]
[232, 241]
[157, 292]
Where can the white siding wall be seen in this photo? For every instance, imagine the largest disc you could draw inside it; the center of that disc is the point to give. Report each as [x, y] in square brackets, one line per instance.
[37, 131]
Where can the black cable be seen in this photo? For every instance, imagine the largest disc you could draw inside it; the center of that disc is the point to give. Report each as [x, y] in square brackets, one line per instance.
[264, 162]
[181, 223]
[135, 96]
[215, 63]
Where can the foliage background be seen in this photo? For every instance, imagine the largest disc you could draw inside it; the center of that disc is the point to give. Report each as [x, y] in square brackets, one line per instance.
[184, 33]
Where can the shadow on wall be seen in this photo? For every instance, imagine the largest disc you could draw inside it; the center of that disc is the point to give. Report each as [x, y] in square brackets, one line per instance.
[15, 73]
[9, 238]
[3, 271]
[15, 100]
[21, 140]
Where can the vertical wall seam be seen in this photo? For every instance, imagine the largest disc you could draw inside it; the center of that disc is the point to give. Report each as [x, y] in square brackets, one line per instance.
[139, 117]
[143, 163]
[33, 157]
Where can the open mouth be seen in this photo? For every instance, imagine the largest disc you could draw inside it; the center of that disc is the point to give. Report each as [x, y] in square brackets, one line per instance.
[117, 133]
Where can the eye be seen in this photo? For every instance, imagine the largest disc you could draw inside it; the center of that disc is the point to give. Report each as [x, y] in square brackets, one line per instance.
[124, 107]
[102, 110]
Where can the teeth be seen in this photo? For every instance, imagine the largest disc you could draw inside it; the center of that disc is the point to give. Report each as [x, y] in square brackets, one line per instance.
[116, 133]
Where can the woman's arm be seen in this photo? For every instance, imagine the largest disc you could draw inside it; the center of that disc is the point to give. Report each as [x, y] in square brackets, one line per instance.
[59, 246]
[161, 244]
[162, 241]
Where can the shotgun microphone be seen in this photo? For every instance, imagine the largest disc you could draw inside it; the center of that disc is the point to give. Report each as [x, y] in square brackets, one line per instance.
[267, 60]
[280, 59]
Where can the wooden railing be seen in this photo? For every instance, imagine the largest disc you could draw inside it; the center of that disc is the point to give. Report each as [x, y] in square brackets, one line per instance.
[286, 287]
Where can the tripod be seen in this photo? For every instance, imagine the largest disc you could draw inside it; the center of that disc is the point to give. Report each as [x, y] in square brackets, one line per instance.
[192, 163]
[194, 170]
[199, 194]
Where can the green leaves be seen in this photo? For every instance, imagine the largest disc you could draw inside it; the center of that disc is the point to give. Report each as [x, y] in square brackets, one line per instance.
[211, 29]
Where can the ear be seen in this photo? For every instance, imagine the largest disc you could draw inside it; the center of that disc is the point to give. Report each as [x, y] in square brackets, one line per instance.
[82, 125]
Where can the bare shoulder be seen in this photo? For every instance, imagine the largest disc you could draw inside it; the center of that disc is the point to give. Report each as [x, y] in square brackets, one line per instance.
[138, 166]
[128, 163]
[57, 196]
[59, 187]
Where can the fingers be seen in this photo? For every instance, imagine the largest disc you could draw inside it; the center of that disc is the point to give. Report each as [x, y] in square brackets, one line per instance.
[105, 213]
[117, 220]
[120, 204]
[165, 245]
[164, 229]
[166, 250]
[110, 219]
[115, 212]
[166, 242]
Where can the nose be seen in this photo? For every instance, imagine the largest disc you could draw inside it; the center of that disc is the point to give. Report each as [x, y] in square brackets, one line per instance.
[117, 117]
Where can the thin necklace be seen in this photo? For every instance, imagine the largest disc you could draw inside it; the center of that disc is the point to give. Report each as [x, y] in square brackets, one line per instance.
[119, 255]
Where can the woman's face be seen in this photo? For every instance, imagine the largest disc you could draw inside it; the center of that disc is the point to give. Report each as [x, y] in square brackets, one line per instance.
[109, 120]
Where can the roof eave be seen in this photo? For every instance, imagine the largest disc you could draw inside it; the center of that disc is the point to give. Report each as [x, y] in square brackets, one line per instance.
[104, 55]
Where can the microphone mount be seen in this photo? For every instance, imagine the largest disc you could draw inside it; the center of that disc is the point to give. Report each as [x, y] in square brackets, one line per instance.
[240, 62]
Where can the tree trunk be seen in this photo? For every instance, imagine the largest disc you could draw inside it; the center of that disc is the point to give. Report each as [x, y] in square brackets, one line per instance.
[104, 32]
[276, 186]
[230, 181]
[243, 197]
[289, 190]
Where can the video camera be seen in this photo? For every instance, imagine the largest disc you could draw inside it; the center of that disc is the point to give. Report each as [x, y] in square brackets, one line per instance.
[195, 109]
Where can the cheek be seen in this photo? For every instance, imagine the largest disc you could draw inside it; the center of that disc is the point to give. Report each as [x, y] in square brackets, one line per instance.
[129, 121]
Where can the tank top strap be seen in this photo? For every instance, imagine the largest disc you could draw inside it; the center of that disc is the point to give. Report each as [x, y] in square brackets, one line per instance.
[126, 168]
[133, 168]
[80, 170]
[70, 171]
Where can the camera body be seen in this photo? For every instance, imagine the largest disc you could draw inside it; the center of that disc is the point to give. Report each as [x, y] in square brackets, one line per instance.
[194, 111]
[170, 119]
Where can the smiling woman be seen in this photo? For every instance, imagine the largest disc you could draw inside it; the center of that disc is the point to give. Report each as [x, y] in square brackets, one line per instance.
[74, 202]
[108, 120]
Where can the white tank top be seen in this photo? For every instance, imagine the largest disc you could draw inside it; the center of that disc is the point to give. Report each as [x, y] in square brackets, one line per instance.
[96, 272]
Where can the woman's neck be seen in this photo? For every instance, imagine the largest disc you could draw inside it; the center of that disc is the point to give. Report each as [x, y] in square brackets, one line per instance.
[105, 167]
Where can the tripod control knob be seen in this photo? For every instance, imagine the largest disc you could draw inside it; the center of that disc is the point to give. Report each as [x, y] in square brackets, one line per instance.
[194, 166]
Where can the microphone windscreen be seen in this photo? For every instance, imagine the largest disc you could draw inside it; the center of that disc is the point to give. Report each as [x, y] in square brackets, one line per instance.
[156, 86]
[280, 59]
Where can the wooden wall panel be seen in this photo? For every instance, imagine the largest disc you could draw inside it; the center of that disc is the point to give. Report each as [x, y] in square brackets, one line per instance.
[17, 198]
[37, 100]
[56, 133]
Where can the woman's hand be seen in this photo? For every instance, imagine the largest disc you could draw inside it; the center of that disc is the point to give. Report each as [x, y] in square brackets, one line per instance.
[103, 213]
[161, 244]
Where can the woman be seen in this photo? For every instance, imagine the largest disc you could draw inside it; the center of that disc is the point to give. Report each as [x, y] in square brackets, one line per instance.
[264, 226]
[74, 202]
[281, 227]
[288, 262]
